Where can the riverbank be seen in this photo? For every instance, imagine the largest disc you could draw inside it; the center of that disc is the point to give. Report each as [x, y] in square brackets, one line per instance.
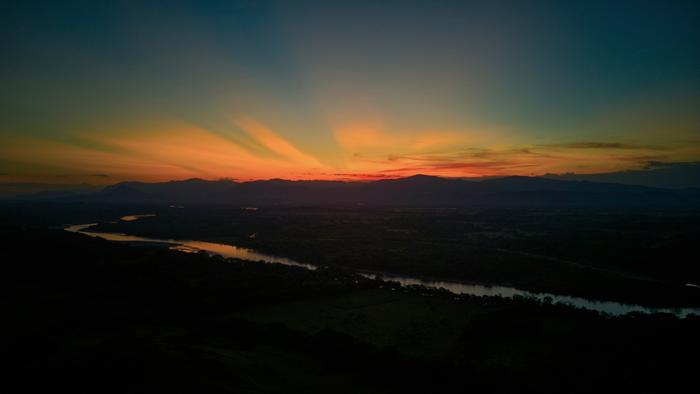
[632, 258]
[458, 288]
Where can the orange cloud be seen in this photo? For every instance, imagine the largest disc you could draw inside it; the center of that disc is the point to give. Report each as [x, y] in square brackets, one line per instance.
[170, 150]
[371, 136]
[157, 152]
[275, 142]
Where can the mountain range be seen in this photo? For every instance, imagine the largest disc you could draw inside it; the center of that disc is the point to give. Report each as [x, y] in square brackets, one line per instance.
[419, 190]
[655, 174]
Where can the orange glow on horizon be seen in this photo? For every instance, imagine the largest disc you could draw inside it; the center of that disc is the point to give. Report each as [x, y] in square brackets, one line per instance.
[179, 150]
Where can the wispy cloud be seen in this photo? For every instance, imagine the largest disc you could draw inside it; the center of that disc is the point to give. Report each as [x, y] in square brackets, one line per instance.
[275, 142]
[600, 145]
[654, 164]
[362, 175]
[587, 156]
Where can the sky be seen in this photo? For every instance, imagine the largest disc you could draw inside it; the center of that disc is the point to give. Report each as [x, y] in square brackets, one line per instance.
[101, 92]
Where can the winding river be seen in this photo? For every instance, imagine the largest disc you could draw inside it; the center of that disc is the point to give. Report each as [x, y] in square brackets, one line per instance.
[232, 251]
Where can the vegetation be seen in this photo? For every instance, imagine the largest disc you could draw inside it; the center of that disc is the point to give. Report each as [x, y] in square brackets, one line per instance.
[630, 256]
[91, 315]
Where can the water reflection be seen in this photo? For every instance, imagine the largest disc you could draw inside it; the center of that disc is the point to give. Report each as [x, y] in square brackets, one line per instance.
[609, 307]
[228, 251]
[231, 251]
[237, 252]
[131, 218]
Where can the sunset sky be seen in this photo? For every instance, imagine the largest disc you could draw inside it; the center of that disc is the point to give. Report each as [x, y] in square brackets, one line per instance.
[105, 91]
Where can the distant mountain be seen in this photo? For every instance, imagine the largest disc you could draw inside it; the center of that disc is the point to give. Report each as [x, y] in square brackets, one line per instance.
[663, 175]
[43, 190]
[420, 190]
[191, 190]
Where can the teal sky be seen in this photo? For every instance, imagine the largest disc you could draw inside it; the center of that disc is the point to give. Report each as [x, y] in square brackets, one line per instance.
[254, 89]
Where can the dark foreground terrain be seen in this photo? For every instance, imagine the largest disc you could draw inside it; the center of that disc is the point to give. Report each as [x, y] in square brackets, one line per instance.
[89, 315]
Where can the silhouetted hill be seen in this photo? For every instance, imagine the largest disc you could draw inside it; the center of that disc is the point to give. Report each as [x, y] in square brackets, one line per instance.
[416, 190]
[190, 190]
[27, 190]
[124, 192]
[663, 175]
[525, 184]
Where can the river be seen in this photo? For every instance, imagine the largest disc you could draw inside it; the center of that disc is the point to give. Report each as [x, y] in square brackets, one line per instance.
[232, 251]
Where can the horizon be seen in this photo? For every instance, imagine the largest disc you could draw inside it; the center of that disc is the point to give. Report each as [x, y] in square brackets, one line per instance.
[689, 173]
[350, 180]
[109, 92]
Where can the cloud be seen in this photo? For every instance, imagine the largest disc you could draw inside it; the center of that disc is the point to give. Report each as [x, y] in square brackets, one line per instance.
[600, 145]
[639, 159]
[654, 164]
[534, 159]
[363, 175]
[476, 167]
[465, 162]
[374, 137]
[275, 142]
